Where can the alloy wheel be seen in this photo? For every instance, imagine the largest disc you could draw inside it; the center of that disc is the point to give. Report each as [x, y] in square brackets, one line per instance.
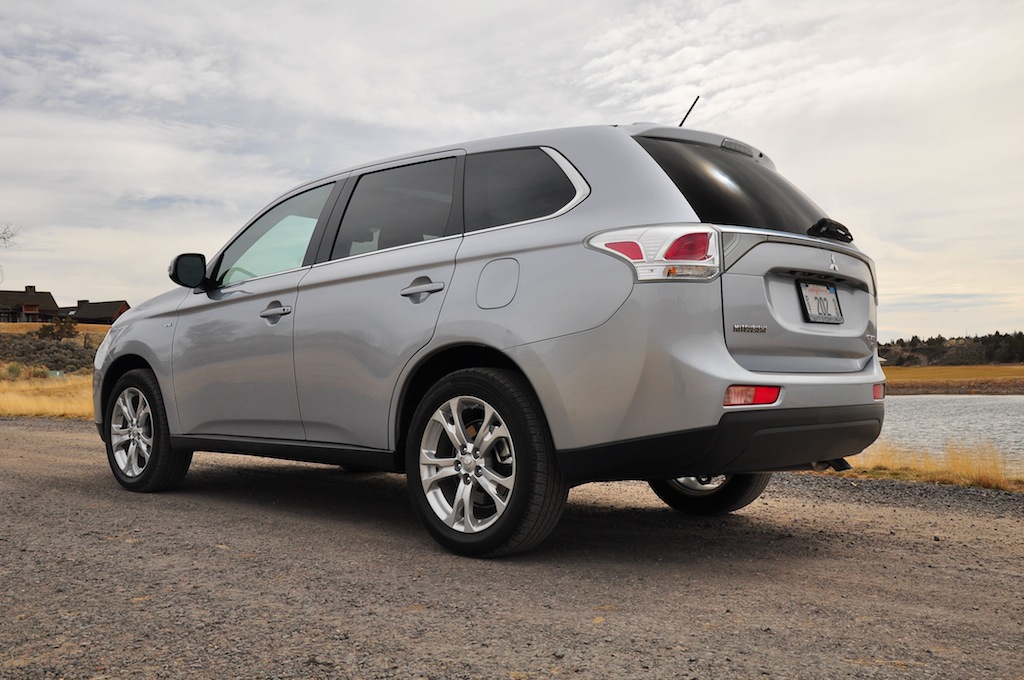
[131, 432]
[467, 464]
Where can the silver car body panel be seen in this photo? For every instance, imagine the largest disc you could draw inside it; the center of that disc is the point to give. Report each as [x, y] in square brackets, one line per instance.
[652, 370]
[350, 347]
[234, 372]
[761, 290]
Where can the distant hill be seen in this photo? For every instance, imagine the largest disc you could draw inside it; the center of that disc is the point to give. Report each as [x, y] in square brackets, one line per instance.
[997, 348]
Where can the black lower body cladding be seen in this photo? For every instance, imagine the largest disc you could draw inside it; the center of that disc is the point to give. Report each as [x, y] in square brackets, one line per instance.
[743, 441]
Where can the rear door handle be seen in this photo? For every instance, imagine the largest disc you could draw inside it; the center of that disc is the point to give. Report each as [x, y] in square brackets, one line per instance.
[423, 288]
[279, 310]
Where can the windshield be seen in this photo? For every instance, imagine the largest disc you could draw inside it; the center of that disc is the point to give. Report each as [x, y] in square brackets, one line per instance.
[727, 187]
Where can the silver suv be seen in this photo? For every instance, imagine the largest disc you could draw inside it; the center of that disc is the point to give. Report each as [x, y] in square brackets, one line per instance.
[503, 319]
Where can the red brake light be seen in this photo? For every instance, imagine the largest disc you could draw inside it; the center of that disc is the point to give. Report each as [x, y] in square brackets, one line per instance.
[751, 395]
[630, 249]
[878, 391]
[691, 247]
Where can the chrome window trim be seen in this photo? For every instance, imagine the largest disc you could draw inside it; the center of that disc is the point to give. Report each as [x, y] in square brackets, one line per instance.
[349, 258]
[243, 282]
[578, 183]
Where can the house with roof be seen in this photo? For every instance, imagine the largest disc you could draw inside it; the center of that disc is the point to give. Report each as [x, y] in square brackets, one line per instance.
[27, 306]
[33, 306]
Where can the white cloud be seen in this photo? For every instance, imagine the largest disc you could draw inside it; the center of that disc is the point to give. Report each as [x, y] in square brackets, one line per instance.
[130, 132]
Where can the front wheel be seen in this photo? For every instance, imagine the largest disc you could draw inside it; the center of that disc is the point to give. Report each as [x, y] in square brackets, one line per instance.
[480, 464]
[138, 441]
[711, 495]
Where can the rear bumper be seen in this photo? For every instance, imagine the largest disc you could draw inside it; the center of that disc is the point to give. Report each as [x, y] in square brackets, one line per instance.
[744, 441]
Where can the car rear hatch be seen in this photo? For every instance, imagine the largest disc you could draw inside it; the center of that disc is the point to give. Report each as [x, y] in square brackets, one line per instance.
[797, 297]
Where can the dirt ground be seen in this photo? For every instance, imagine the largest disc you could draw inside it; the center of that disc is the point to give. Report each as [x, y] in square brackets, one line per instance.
[264, 569]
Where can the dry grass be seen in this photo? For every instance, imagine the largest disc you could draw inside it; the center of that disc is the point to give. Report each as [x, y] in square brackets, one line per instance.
[68, 397]
[897, 374]
[985, 379]
[982, 465]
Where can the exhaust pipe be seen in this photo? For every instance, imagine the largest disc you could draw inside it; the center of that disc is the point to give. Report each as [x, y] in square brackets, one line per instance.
[838, 464]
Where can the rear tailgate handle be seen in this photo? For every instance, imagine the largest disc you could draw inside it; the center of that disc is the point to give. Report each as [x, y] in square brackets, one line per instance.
[277, 310]
[424, 288]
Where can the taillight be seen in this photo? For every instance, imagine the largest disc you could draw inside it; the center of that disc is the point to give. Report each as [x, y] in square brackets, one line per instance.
[689, 253]
[751, 395]
[878, 391]
[690, 247]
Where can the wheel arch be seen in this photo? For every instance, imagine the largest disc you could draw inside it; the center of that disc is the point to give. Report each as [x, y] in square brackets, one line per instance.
[431, 369]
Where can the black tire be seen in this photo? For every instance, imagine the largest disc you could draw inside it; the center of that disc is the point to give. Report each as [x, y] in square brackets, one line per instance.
[138, 441]
[712, 495]
[501, 493]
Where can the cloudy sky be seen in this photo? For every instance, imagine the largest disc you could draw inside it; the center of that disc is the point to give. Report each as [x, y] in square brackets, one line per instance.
[130, 132]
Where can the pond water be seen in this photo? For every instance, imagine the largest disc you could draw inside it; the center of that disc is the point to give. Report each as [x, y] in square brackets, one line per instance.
[932, 421]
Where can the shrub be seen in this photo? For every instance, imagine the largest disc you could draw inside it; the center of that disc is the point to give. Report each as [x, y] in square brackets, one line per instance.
[32, 350]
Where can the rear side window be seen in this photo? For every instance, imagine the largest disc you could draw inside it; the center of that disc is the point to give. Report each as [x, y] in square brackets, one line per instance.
[398, 206]
[726, 187]
[514, 185]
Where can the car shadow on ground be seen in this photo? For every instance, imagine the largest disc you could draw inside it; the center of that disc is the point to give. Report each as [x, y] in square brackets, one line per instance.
[614, 530]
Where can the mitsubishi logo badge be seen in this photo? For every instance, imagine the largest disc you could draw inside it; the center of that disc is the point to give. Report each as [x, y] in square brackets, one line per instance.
[833, 267]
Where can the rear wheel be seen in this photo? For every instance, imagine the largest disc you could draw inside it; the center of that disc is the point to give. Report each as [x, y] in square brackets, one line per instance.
[711, 495]
[138, 441]
[481, 467]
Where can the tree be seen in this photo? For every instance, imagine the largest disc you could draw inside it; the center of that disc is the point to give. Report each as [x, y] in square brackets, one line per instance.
[7, 235]
[59, 329]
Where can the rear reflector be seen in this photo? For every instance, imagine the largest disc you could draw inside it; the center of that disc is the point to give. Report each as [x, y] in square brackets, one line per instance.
[751, 395]
[878, 391]
[630, 249]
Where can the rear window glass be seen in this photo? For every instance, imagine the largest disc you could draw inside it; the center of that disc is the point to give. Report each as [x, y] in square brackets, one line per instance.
[515, 185]
[726, 187]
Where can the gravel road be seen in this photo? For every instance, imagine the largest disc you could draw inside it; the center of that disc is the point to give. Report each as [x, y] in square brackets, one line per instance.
[265, 569]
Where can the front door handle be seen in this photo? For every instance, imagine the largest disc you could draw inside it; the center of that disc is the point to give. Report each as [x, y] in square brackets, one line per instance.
[425, 288]
[275, 310]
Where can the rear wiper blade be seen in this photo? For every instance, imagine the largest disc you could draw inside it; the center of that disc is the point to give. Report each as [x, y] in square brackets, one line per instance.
[826, 228]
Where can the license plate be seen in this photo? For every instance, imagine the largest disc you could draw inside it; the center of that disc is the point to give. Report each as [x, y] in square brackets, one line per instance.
[821, 302]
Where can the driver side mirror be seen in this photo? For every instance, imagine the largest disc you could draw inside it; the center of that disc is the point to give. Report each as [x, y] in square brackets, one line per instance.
[188, 270]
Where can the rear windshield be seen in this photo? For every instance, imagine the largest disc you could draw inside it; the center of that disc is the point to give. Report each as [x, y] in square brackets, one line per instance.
[727, 187]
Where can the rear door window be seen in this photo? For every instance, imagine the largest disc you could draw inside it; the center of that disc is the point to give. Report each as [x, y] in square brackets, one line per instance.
[514, 185]
[396, 207]
[730, 188]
